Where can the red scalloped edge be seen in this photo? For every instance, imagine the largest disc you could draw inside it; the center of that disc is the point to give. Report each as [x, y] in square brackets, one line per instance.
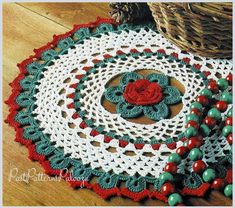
[200, 191]
[33, 155]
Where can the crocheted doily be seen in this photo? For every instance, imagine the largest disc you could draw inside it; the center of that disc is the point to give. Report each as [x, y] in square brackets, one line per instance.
[58, 112]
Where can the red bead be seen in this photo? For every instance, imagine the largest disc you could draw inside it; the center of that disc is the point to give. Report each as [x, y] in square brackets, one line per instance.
[229, 121]
[230, 139]
[193, 124]
[196, 112]
[182, 151]
[171, 168]
[209, 121]
[203, 100]
[167, 188]
[199, 166]
[221, 106]
[194, 142]
[218, 184]
[229, 78]
[213, 87]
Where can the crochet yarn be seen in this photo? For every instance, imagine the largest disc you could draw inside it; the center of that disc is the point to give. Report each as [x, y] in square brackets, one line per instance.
[57, 112]
[136, 96]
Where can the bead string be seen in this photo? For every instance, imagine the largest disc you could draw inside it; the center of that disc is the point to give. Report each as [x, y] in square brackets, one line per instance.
[196, 129]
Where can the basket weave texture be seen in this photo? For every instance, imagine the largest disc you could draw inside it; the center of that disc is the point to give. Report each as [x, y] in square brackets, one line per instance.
[202, 28]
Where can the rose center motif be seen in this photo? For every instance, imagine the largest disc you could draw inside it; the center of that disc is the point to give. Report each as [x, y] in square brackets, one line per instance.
[137, 95]
[143, 92]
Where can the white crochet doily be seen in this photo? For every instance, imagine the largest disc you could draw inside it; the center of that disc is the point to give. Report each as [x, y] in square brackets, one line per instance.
[56, 118]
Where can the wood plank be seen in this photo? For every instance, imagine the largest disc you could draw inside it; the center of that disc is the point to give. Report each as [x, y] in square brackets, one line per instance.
[27, 26]
[68, 14]
[215, 198]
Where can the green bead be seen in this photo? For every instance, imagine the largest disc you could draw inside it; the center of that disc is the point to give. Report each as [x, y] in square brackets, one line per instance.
[222, 83]
[195, 154]
[227, 130]
[207, 93]
[190, 131]
[213, 112]
[192, 117]
[228, 190]
[196, 105]
[208, 175]
[175, 158]
[174, 199]
[227, 97]
[205, 130]
[230, 112]
[185, 144]
[165, 177]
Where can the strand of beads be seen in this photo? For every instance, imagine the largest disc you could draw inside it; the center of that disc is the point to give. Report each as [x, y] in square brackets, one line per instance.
[227, 132]
[195, 131]
[220, 183]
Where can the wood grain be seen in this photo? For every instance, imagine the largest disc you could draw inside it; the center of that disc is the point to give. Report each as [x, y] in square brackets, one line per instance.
[27, 26]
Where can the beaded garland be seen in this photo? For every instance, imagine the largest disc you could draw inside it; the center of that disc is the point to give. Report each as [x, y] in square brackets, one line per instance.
[196, 131]
[55, 155]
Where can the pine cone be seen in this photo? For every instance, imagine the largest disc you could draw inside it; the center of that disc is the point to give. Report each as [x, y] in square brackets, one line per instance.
[130, 12]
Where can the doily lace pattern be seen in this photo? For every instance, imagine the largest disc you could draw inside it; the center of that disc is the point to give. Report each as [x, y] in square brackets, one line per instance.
[44, 113]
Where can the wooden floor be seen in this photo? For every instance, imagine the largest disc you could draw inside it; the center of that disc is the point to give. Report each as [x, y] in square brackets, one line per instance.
[27, 26]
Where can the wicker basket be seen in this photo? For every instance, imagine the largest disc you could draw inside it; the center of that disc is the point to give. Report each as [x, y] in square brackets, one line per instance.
[202, 28]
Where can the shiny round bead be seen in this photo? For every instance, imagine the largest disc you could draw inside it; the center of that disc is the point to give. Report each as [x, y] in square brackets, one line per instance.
[166, 177]
[208, 175]
[167, 189]
[171, 168]
[222, 83]
[229, 121]
[229, 78]
[209, 121]
[196, 105]
[221, 105]
[182, 151]
[228, 190]
[199, 166]
[193, 142]
[218, 184]
[213, 112]
[227, 97]
[185, 144]
[227, 130]
[175, 158]
[174, 199]
[205, 130]
[202, 100]
[229, 139]
[196, 112]
[193, 124]
[230, 112]
[213, 87]
[190, 132]
[207, 93]
[195, 154]
[192, 117]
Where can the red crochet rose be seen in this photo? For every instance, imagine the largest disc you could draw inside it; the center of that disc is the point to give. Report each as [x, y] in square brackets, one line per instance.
[143, 92]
